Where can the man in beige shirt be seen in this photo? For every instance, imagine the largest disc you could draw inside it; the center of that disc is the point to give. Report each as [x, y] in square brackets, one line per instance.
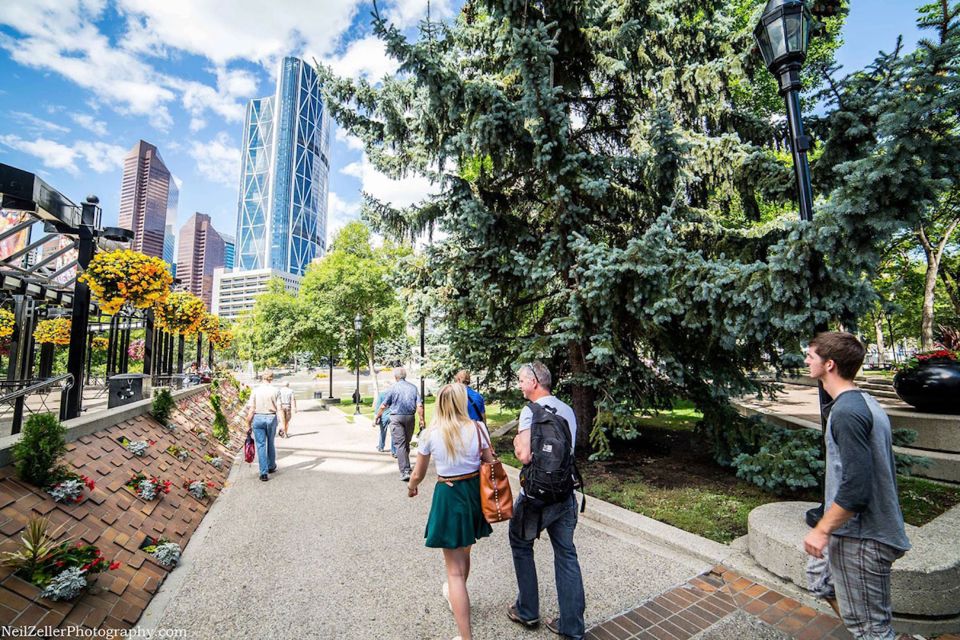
[262, 411]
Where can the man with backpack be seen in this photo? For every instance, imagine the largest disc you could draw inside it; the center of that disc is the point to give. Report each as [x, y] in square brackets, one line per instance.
[545, 444]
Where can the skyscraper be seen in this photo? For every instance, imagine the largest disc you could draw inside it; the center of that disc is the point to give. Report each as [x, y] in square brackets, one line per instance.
[282, 221]
[173, 201]
[200, 252]
[145, 198]
[229, 251]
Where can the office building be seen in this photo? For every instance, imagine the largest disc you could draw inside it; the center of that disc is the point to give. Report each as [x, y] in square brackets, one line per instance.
[200, 252]
[169, 237]
[145, 198]
[229, 252]
[236, 292]
[282, 209]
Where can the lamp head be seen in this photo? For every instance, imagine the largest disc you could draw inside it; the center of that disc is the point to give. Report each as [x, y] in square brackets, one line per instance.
[357, 323]
[783, 34]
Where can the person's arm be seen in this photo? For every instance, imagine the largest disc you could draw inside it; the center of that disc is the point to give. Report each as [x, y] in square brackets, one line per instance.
[419, 473]
[420, 412]
[521, 447]
[486, 450]
[384, 405]
[851, 430]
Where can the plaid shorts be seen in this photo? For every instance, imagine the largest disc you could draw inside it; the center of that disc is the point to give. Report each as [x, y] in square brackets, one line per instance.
[859, 570]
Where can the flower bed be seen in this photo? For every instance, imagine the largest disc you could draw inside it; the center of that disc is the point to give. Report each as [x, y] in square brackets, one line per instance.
[69, 488]
[179, 453]
[199, 489]
[162, 550]
[136, 447]
[147, 488]
[214, 460]
[59, 569]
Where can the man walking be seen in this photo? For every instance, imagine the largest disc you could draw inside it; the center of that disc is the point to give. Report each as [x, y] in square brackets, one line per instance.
[262, 410]
[476, 407]
[861, 533]
[288, 406]
[403, 399]
[559, 518]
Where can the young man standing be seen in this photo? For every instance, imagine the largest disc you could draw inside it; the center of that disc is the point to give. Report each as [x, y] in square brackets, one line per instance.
[559, 519]
[861, 533]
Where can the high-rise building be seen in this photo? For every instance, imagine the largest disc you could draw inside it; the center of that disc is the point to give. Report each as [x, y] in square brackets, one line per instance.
[230, 250]
[282, 221]
[200, 253]
[173, 202]
[145, 198]
[235, 293]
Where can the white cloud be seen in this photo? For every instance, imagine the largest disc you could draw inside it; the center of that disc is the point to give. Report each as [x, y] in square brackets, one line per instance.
[400, 193]
[88, 122]
[225, 30]
[339, 213]
[218, 160]
[365, 58]
[99, 156]
[34, 124]
[352, 141]
[409, 13]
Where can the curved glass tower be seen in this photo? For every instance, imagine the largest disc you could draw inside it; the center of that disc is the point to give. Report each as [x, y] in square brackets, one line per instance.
[282, 221]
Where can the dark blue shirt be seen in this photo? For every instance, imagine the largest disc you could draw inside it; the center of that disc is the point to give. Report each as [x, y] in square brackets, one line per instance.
[475, 405]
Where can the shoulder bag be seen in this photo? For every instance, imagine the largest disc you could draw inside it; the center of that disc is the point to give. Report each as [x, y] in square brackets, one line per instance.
[496, 498]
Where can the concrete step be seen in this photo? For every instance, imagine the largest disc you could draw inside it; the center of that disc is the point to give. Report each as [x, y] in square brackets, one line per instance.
[925, 583]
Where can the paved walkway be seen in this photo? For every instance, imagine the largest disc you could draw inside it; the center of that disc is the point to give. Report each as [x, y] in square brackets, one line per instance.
[332, 547]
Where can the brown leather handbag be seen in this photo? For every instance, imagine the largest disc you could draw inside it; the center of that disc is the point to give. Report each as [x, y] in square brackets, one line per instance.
[496, 498]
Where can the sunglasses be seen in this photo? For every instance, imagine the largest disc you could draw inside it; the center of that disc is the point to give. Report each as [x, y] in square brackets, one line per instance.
[533, 372]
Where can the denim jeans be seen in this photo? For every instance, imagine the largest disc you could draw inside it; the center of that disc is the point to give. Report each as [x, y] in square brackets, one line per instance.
[264, 433]
[559, 520]
[384, 424]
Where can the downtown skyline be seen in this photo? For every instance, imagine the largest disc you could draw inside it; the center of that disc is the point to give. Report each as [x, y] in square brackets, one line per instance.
[87, 79]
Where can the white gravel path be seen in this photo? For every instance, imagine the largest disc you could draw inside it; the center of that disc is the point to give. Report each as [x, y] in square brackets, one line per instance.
[332, 547]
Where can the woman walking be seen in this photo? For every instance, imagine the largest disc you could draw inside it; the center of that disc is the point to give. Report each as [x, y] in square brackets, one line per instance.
[457, 444]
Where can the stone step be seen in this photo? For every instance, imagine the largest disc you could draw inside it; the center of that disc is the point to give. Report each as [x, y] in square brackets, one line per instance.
[925, 583]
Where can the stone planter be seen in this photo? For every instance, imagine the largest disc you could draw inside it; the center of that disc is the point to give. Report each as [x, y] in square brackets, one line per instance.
[932, 386]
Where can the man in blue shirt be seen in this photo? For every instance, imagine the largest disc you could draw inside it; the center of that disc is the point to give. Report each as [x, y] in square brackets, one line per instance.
[403, 400]
[475, 405]
[384, 423]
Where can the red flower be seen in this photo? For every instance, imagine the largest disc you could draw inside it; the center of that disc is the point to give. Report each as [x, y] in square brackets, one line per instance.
[97, 553]
[78, 500]
[85, 567]
[59, 563]
[211, 485]
[151, 442]
[114, 565]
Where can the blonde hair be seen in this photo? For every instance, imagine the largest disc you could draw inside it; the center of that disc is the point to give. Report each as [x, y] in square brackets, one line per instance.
[450, 417]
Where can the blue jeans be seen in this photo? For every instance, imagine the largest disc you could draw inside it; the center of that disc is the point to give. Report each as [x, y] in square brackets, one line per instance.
[384, 423]
[559, 520]
[264, 433]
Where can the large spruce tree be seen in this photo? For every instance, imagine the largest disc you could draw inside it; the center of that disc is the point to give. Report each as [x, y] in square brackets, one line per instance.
[614, 197]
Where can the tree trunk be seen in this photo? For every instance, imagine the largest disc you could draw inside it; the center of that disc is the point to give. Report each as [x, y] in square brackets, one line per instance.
[583, 397]
[881, 349]
[926, 316]
[373, 372]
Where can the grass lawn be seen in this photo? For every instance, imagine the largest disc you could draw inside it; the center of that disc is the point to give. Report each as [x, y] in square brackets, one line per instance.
[668, 474]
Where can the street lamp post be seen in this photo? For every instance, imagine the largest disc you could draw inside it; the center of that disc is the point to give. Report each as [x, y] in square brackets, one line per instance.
[783, 34]
[357, 325]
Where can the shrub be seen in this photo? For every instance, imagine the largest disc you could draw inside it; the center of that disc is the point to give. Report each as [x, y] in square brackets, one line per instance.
[221, 430]
[788, 460]
[906, 462]
[162, 406]
[40, 445]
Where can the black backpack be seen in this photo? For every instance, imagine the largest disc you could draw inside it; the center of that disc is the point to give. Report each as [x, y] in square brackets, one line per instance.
[552, 475]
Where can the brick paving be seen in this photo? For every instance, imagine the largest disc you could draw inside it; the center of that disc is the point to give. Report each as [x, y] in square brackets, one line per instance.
[113, 518]
[700, 603]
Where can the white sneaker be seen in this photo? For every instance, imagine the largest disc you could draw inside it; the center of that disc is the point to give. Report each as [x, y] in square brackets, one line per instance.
[445, 590]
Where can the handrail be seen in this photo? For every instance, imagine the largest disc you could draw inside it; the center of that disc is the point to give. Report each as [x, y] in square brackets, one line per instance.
[43, 384]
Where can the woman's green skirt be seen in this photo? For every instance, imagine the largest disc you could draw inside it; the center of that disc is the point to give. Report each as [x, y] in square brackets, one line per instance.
[456, 519]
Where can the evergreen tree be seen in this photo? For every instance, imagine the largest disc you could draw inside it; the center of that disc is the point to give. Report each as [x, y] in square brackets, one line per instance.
[612, 199]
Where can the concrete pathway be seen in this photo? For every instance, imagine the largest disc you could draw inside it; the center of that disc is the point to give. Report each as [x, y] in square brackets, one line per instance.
[332, 547]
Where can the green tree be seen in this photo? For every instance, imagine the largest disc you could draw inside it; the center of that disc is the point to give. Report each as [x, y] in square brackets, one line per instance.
[592, 161]
[353, 279]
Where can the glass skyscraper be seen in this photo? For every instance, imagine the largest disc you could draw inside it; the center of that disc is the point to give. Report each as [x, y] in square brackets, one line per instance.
[282, 221]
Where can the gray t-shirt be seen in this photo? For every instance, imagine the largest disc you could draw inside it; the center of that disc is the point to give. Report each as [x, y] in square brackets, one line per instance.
[861, 473]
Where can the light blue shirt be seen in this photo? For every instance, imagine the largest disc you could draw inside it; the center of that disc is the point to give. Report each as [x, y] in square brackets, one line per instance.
[402, 398]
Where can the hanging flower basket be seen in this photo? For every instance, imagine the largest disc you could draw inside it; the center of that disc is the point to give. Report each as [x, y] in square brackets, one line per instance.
[129, 277]
[181, 313]
[100, 343]
[53, 331]
[220, 337]
[136, 349]
[6, 323]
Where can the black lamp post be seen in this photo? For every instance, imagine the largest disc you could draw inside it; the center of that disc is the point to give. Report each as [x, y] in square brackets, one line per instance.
[357, 325]
[782, 35]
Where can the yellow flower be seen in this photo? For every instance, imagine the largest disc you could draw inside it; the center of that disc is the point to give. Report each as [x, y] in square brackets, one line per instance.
[54, 330]
[129, 277]
[6, 323]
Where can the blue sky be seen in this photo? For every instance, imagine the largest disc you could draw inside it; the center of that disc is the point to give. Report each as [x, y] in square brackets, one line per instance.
[83, 80]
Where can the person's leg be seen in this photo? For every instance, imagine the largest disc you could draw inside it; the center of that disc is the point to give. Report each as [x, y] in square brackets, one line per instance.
[271, 444]
[528, 590]
[408, 438]
[561, 521]
[458, 566]
[383, 435]
[861, 574]
[396, 436]
[260, 439]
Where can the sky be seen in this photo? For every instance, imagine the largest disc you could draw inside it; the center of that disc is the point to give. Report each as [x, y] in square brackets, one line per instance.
[81, 81]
